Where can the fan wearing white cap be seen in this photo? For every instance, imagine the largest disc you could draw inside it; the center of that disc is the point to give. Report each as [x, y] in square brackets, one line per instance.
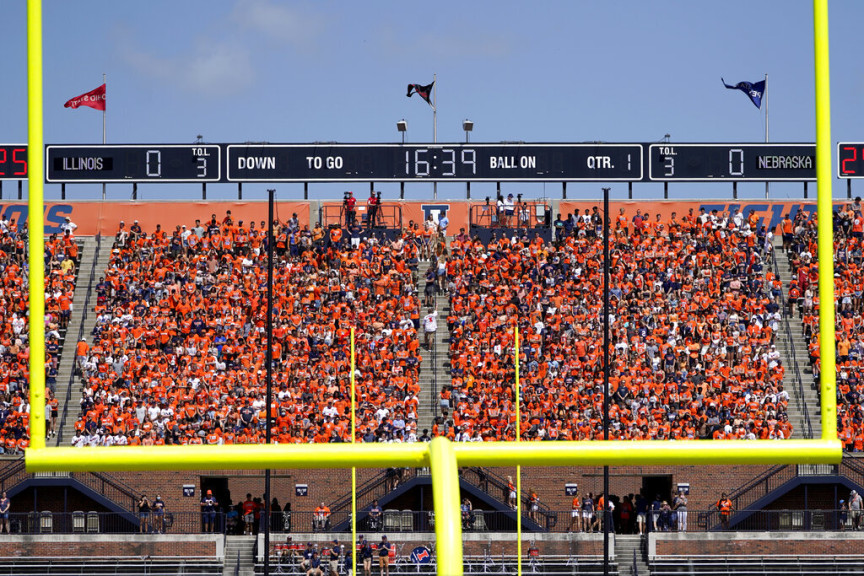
[855, 506]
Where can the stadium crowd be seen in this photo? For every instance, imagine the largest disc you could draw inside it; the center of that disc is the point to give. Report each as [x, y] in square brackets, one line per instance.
[61, 261]
[800, 243]
[693, 315]
[179, 348]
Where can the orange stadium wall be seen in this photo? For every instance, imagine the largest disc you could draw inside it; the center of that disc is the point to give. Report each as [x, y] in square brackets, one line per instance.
[770, 212]
[102, 217]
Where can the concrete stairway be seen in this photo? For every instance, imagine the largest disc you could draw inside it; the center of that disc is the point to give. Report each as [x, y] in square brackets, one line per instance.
[90, 261]
[242, 546]
[796, 352]
[435, 368]
[625, 546]
[82, 287]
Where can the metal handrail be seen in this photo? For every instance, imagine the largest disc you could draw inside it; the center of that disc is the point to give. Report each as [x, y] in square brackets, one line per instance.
[363, 490]
[790, 346]
[84, 312]
[763, 480]
[487, 478]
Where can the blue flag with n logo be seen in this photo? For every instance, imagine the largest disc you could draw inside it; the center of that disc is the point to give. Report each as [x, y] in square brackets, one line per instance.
[754, 90]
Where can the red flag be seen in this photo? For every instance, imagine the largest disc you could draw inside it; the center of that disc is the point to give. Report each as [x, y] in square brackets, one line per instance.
[94, 99]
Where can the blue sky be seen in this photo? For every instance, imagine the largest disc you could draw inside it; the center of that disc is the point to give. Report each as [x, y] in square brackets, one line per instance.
[569, 71]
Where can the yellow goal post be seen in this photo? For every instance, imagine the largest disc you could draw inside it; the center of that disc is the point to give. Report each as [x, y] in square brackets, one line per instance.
[441, 456]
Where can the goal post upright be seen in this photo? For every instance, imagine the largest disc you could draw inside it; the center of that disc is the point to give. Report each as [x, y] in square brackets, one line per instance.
[824, 222]
[36, 227]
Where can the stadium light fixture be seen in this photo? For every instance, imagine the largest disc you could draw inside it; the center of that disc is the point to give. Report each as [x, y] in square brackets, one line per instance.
[402, 126]
[467, 126]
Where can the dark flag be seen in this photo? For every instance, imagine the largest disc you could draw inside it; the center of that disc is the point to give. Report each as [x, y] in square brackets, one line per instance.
[754, 90]
[425, 92]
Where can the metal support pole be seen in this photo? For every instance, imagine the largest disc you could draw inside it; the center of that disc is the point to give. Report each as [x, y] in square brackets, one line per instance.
[134, 191]
[629, 190]
[239, 191]
[203, 190]
[665, 190]
[268, 358]
[848, 188]
[734, 190]
[62, 191]
[605, 515]
[564, 190]
[21, 190]
[401, 190]
[805, 189]
[468, 190]
[1, 189]
[305, 190]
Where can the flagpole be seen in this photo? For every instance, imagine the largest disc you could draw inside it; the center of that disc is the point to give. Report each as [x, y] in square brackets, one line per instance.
[435, 125]
[104, 121]
[765, 98]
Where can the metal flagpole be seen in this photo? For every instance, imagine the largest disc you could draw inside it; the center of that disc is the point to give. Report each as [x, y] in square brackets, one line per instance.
[104, 121]
[765, 99]
[435, 125]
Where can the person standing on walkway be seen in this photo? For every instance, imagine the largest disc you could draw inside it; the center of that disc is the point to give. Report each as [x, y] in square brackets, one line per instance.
[724, 506]
[855, 506]
[679, 505]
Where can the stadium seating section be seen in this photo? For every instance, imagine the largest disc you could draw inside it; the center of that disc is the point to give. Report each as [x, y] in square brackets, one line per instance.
[178, 354]
[693, 315]
[61, 262]
[803, 300]
[179, 350]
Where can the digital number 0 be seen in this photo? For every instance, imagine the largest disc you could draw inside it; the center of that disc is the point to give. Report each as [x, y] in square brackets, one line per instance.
[154, 164]
[740, 161]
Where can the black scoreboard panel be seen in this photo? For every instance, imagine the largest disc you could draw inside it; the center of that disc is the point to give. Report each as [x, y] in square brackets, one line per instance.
[434, 162]
[850, 159]
[468, 162]
[134, 163]
[732, 162]
[13, 161]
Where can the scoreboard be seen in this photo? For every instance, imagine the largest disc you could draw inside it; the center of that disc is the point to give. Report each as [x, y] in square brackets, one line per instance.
[438, 162]
[13, 161]
[134, 163]
[435, 162]
[732, 162]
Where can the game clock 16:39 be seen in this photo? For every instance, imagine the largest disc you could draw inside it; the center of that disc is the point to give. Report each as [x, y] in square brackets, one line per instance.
[13, 161]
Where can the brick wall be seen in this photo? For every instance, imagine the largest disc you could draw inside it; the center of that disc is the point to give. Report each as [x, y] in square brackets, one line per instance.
[750, 545]
[47, 547]
[328, 485]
